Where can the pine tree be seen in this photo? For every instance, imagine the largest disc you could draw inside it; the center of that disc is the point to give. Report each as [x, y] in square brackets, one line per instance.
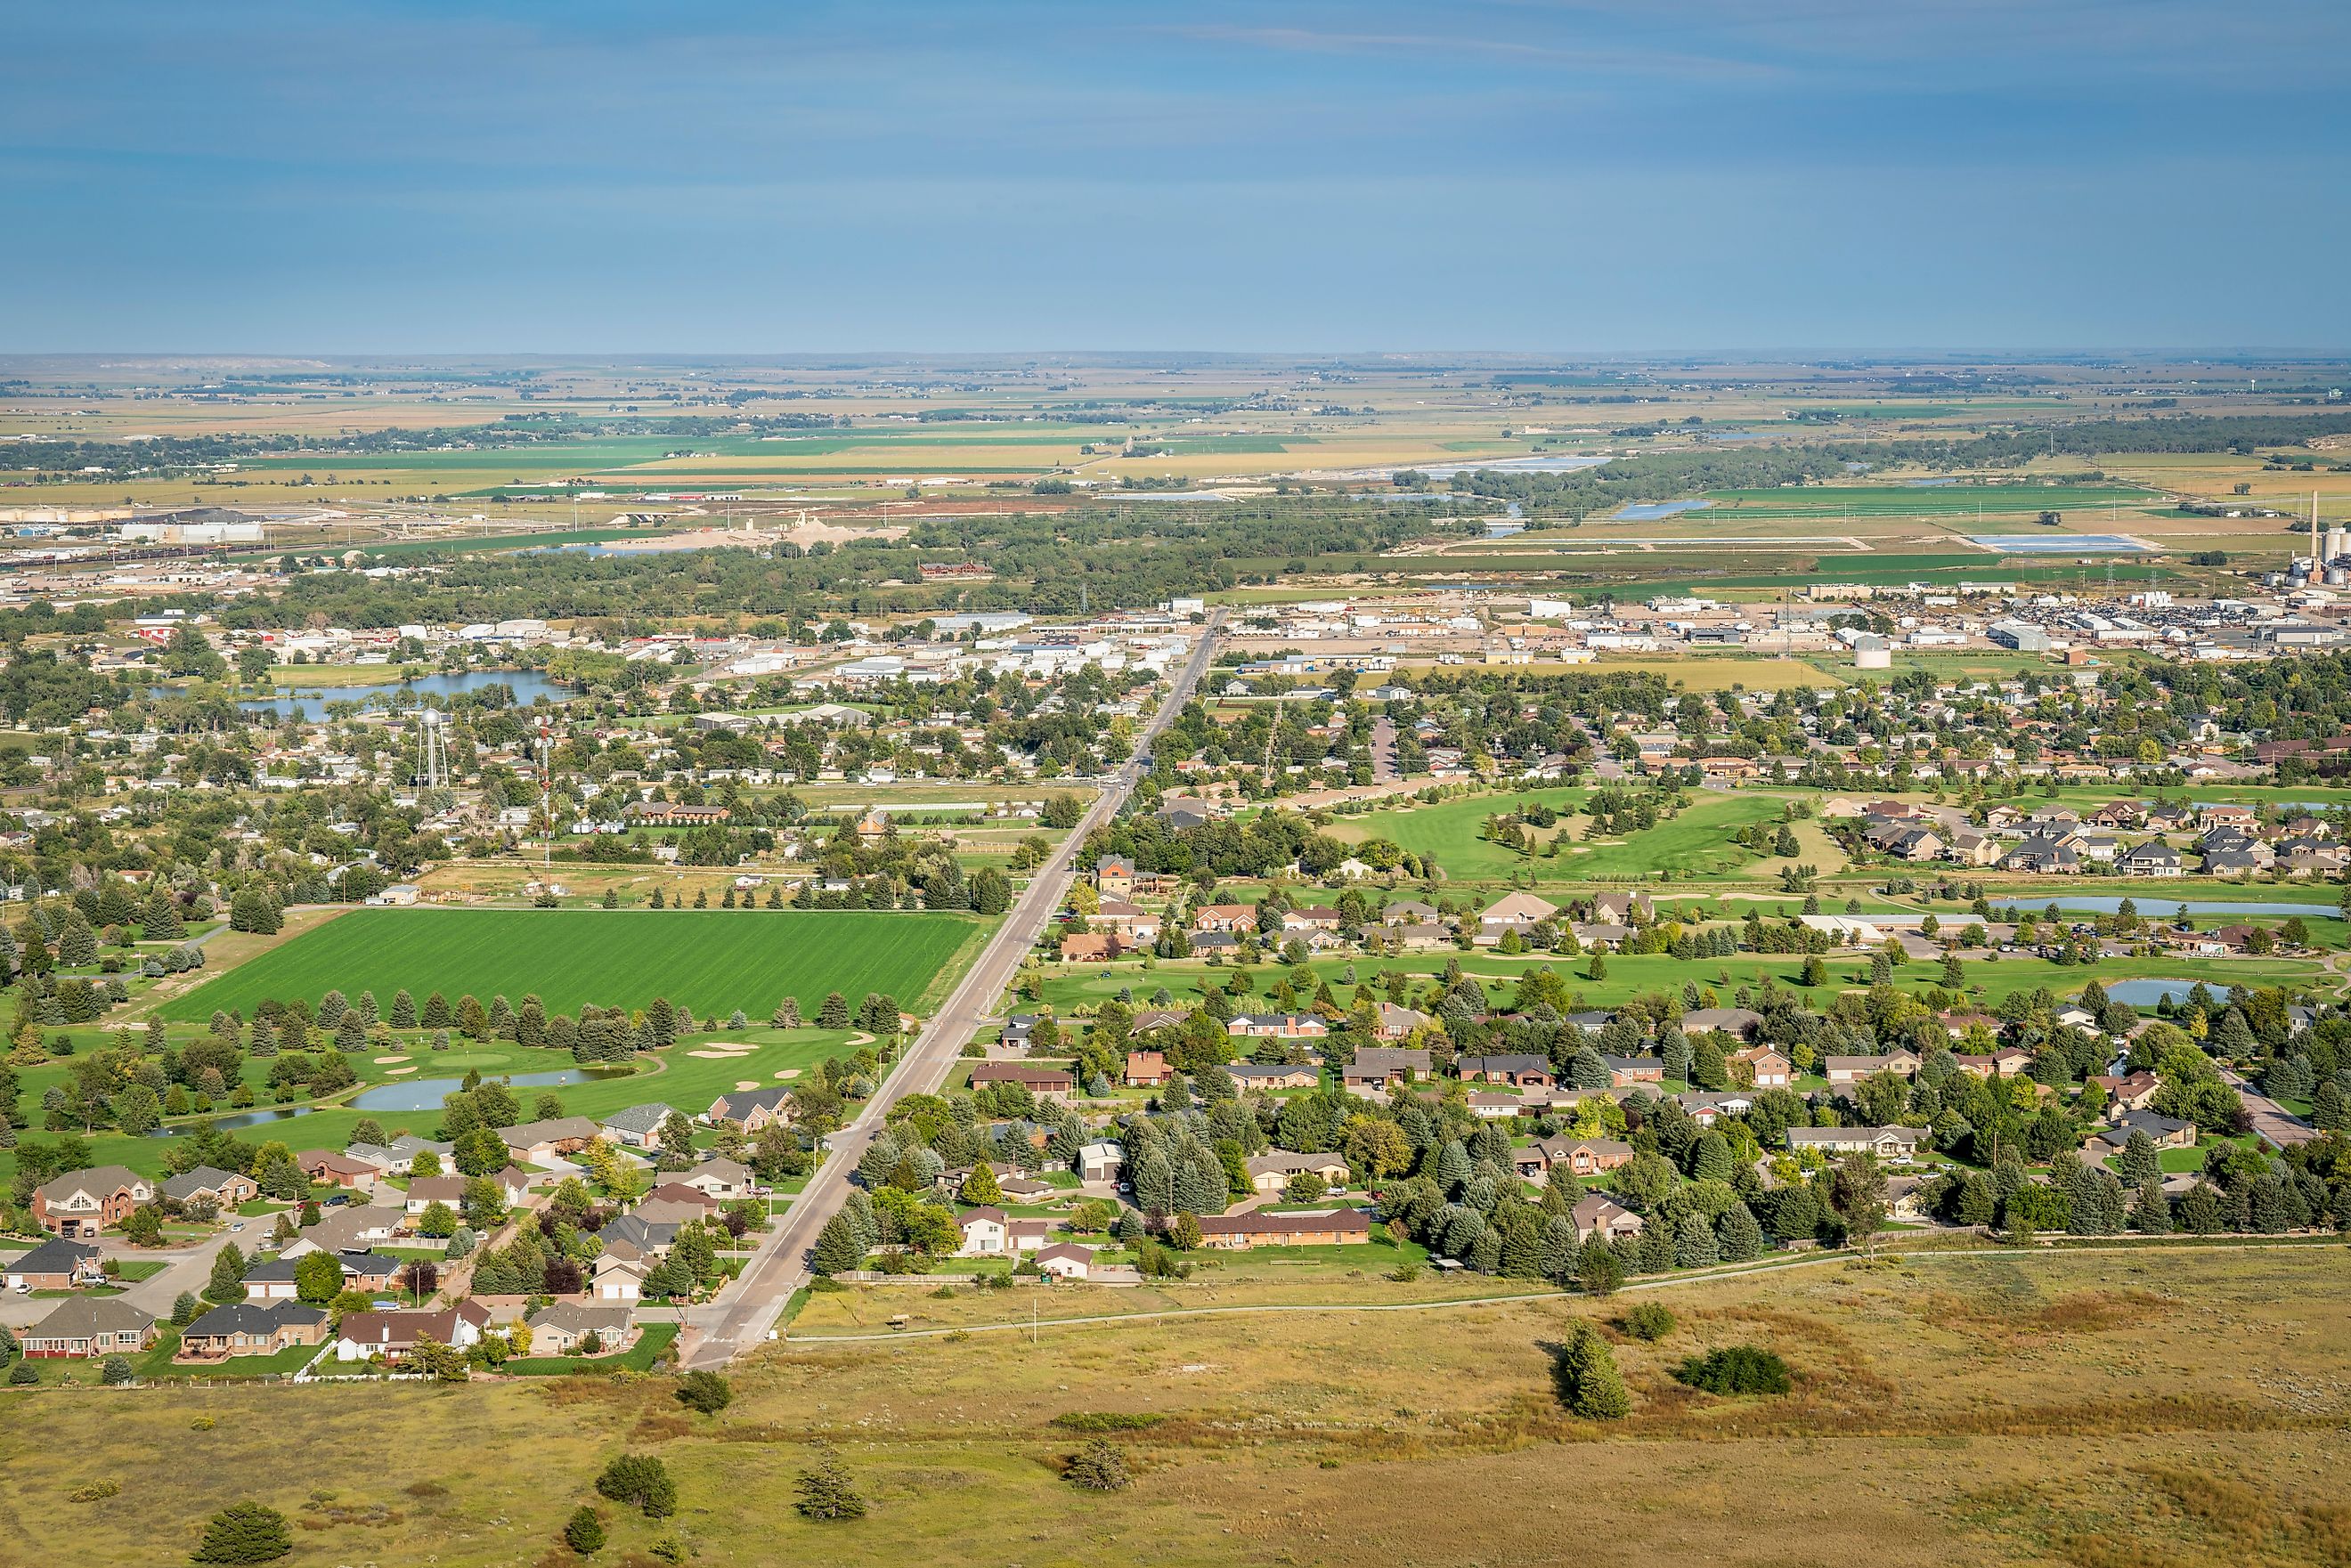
[825, 1490]
[584, 1533]
[834, 1013]
[403, 1009]
[437, 1013]
[1739, 1236]
[1589, 1383]
[787, 1014]
[2140, 1165]
[244, 1533]
[2150, 1215]
[838, 1246]
[1694, 1244]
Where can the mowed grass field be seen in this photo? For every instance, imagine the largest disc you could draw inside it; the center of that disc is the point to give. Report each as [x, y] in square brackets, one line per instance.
[2169, 1406]
[719, 959]
[1695, 844]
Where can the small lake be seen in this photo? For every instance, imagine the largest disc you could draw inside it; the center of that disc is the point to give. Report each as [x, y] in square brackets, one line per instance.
[529, 686]
[2061, 544]
[1651, 511]
[2147, 993]
[238, 1123]
[2164, 908]
[1512, 466]
[426, 1093]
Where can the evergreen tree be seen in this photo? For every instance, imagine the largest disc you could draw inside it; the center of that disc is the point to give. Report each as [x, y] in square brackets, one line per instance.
[244, 1533]
[1097, 1467]
[2139, 1163]
[838, 1246]
[1590, 1385]
[1694, 1243]
[834, 1014]
[825, 1490]
[403, 1009]
[2150, 1215]
[1740, 1238]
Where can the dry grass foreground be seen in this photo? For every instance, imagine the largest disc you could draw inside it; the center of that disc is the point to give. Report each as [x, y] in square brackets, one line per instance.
[2094, 1411]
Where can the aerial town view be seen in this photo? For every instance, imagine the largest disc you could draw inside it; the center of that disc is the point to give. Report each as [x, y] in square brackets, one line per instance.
[855, 785]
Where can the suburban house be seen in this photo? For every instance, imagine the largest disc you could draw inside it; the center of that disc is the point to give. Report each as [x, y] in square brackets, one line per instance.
[1897, 1144]
[1523, 1071]
[637, 1126]
[1854, 1069]
[2007, 1062]
[613, 1279]
[1762, 1066]
[1114, 877]
[1597, 1216]
[1264, 1076]
[2164, 1132]
[720, 1178]
[89, 1325]
[1271, 1171]
[205, 1184]
[1739, 1021]
[1238, 1232]
[984, 1232]
[2153, 858]
[1574, 1157]
[250, 1328]
[1236, 919]
[1146, 1069]
[1518, 912]
[423, 1192]
[1276, 1026]
[353, 1228]
[2132, 1092]
[393, 1334]
[753, 1108]
[1398, 1023]
[1625, 1072]
[560, 1328]
[326, 1168]
[1045, 1083]
[53, 1265]
[1624, 908]
[1065, 1260]
[544, 1142]
[86, 1203]
[272, 1280]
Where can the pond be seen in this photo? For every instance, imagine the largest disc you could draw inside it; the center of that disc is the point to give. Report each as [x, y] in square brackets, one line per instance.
[238, 1123]
[1651, 511]
[2164, 908]
[529, 686]
[2147, 993]
[426, 1093]
[2061, 544]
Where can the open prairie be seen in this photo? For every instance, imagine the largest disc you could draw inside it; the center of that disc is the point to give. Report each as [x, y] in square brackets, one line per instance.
[1959, 1411]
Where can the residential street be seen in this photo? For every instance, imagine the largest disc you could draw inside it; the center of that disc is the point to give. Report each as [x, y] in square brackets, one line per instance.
[744, 1310]
[2271, 1121]
[190, 1268]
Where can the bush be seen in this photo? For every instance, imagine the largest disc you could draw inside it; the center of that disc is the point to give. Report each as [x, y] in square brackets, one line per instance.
[244, 1533]
[24, 1375]
[114, 1371]
[705, 1391]
[1650, 1321]
[1735, 1369]
[642, 1481]
[1098, 1467]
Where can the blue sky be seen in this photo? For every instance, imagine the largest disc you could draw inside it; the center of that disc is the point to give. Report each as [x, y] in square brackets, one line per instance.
[708, 176]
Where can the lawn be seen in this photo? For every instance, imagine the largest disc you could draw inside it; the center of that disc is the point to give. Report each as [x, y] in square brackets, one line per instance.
[2005, 1406]
[639, 1357]
[1694, 845]
[711, 960]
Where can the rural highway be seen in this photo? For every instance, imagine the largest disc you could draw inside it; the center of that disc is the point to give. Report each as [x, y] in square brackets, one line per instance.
[744, 1310]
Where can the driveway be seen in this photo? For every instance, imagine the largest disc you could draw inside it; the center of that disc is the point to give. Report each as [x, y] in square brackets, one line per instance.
[188, 1267]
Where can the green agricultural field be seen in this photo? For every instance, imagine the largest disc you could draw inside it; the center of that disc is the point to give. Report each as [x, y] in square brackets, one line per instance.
[717, 960]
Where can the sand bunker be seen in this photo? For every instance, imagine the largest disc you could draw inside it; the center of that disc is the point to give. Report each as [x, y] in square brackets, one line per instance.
[399, 1072]
[383, 1060]
[744, 1085]
[788, 1074]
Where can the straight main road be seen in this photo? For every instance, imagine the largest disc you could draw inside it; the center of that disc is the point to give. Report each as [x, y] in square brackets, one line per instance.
[747, 1306]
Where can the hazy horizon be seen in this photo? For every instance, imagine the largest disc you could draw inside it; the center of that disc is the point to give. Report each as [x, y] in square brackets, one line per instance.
[1605, 180]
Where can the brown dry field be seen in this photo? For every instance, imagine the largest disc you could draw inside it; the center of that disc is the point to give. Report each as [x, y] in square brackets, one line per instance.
[2174, 1408]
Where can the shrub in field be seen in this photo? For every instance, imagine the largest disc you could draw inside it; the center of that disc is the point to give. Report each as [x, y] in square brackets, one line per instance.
[1735, 1369]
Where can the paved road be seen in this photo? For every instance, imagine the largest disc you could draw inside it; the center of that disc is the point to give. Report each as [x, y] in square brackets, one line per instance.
[2271, 1121]
[744, 1310]
[185, 1268]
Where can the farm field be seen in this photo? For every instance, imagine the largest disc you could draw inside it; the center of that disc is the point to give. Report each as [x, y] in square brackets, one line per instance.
[713, 960]
[2131, 1442]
